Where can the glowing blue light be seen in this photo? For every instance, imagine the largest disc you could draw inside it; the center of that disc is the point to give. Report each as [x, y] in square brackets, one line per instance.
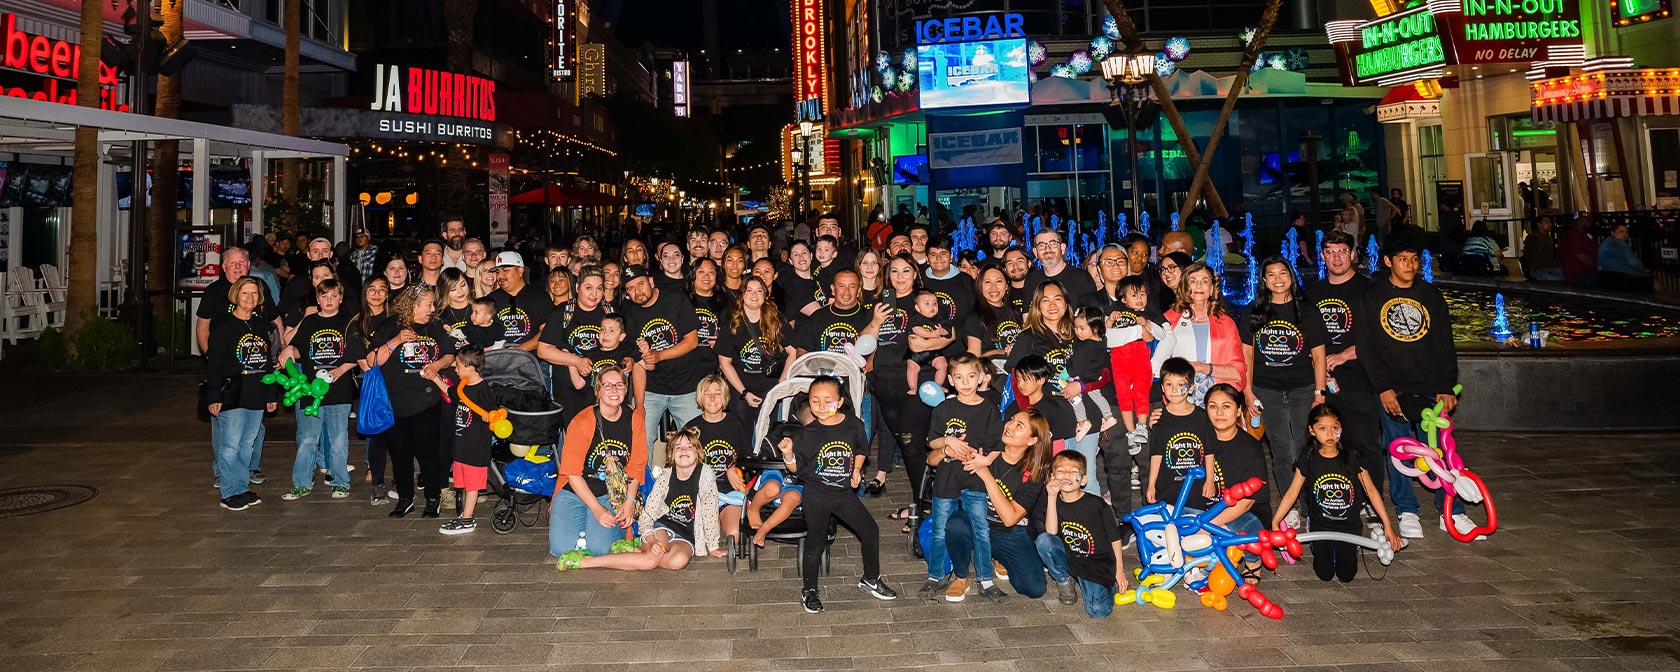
[1064, 71]
[1111, 28]
[889, 80]
[1277, 61]
[882, 61]
[1177, 48]
[1101, 47]
[1080, 61]
[1036, 53]
[909, 60]
[1164, 67]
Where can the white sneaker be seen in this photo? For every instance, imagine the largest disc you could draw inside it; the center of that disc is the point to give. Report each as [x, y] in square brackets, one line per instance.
[1464, 525]
[1293, 520]
[1410, 528]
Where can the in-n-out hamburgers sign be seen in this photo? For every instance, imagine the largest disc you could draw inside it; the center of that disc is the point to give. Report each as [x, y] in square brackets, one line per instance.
[57, 62]
[433, 103]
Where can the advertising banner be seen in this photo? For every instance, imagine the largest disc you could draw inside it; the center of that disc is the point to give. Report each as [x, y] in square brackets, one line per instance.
[976, 151]
[198, 260]
[498, 199]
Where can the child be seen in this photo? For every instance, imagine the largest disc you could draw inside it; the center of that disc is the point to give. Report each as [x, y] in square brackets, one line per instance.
[1129, 336]
[613, 347]
[484, 330]
[1339, 488]
[1234, 456]
[1179, 439]
[828, 455]
[472, 439]
[320, 346]
[1080, 540]
[723, 440]
[1031, 374]
[1088, 369]
[925, 334]
[956, 421]
[680, 520]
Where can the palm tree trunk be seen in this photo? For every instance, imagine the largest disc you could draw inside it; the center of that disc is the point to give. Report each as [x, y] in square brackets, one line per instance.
[291, 110]
[82, 300]
[165, 182]
[1238, 83]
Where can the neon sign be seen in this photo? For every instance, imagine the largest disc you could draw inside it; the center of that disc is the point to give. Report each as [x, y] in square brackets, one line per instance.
[1396, 44]
[422, 91]
[1628, 12]
[810, 51]
[1523, 20]
[58, 61]
[564, 58]
[969, 28]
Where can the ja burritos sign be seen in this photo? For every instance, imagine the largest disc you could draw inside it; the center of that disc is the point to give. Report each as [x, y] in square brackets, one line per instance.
[433, 104]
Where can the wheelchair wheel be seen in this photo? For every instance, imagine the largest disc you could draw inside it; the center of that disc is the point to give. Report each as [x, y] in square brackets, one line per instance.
[916, 547]
[503, 517]
[729, 559]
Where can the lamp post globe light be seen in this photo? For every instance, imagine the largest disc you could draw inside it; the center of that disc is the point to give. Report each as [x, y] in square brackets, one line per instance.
[806, 127]
[1128, 78]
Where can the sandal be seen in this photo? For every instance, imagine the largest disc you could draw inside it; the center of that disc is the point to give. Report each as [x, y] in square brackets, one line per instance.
[903, 513]
[1250, 575]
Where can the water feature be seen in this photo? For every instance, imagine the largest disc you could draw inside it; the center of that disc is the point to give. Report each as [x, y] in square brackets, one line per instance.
[1318, 248]
[1252, 286]
[1569, 319]
[1216, 254]
[1291, 249]
[1501, 329]
[1428, 267]
[1173, 223]
[1143, 223]
[1372, 252]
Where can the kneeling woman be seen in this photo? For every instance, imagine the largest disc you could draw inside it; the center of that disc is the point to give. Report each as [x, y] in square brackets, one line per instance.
[605, 443]
[1014, 481]
[680, 519]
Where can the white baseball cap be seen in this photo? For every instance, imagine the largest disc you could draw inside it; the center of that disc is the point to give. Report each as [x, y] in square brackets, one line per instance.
[507, 259]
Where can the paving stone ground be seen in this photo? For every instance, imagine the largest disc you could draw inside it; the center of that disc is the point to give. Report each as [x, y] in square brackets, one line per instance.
[152, 575]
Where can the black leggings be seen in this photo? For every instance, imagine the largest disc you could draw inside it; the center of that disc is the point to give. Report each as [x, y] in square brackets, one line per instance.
[415, 438]
[907, 418]
[1335, 558]
[820, 507]
[376, 457]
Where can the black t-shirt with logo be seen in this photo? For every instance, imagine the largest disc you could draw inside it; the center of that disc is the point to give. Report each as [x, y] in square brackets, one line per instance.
[1056, 410]
[522, 315]
[712, 312]
[1087, 529]
[213, 304]
[1181, 441]
[979, 425]
[1087, 362]
[1331, 491]
[1017, 486]
[612, 439]
[1283, 347]
[1076, 283]
[998, 336]
[1237, 460]
[663, 325]
[455, 321]
[825, 454]
[239, 355]
[471, 434]
[323, 344]
[722, 443]
[1337, 305]
[1018, 299]
[600, 357]
[955, 294]
[576, 331]
[758, 366]
[1045, 344]
[410, 394]
[794, 292]
[830, 328]
[892, 342]
[681, 498]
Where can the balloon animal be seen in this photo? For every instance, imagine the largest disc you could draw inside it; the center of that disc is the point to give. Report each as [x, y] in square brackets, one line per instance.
[297, 386]
[1438, 466]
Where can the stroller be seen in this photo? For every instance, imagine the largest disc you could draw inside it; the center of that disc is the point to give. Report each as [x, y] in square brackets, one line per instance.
[517, 377]
[776, 418]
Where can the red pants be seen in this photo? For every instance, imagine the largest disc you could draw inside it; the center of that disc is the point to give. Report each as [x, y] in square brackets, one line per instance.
[1132, 375]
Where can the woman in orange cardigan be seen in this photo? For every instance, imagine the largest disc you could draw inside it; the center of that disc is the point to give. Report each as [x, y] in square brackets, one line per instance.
[604, 443]
[1201, 332]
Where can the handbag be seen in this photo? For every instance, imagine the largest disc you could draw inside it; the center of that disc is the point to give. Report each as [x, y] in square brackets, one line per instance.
[374, 415]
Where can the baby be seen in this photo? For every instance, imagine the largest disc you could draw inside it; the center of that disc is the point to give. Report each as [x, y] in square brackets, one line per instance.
[484, 330]
[1088, 364]
[925, 347]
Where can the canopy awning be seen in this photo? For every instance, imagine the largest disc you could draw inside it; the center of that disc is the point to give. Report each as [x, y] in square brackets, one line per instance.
[1607, 95]
[1405, 103]
[41, 127]
[561, 196]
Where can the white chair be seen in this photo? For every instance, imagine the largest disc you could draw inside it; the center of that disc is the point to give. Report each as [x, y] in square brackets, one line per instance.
[25, 314]
[52, 282]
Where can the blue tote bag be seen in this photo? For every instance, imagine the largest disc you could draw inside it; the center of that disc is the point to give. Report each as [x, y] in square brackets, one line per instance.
[374, 415]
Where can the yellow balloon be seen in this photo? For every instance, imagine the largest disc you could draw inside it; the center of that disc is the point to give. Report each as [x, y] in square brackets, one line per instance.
[1422, 464]
[1127, 597]
[501, 428]
[1164, 599]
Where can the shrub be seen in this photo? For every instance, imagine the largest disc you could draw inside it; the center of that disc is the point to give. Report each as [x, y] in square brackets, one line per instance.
[103, 345]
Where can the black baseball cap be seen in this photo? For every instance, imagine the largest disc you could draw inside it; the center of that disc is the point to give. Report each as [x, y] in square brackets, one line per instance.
[634, 271]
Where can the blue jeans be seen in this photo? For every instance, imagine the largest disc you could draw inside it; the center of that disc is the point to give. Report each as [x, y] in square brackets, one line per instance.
[1099, 599]
[1087, 447]
[1013, 548]
[322, 440]
[866, 413]
[682, 407]
[570, 517]
[1246, 523]
[238, 436]
[1400, 485]
[979, 547]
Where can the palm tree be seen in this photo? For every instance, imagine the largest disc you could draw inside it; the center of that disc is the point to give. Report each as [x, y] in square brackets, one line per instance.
[165, 178]
[82, 302]
[289, 114]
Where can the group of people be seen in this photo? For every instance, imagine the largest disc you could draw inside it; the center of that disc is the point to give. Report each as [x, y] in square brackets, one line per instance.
[1117, 372]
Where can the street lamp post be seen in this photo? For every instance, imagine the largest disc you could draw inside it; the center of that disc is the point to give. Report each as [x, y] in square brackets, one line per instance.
[1128, 80]
[805, 129]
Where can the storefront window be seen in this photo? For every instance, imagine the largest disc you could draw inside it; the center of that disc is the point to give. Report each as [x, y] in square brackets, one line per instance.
[1055, 149]
[1265, 165]
[1487, 183]
[1665, 166]
[1090, 147]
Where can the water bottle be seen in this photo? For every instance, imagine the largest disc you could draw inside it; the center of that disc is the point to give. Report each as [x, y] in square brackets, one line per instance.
[1534, 335]
[1331, 386]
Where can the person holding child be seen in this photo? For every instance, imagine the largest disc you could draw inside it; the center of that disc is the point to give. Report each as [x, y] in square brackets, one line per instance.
[680, 521]
[724, 439]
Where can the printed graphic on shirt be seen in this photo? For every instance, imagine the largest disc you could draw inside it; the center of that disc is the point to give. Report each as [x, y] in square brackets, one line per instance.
[681, 509]
[947, 306]
[252, 352]
[1334, 495]
[1184, 450]
[1338, 318]
[660, 334]
[1058, 361]
[516, 325]
[897, 323]
[464, 419]
[708, 331]
[835, 337]
[991, 509]
[595, 463]
[1404, 319]
[751, 356]
[1279, 341]
[834, 463]
[1126, 319]
[1006, 332]
[584, 338]
[719, 455]
[1079, 541]
[956, 427]
[326, 347]
[416, 354]
[457, 331]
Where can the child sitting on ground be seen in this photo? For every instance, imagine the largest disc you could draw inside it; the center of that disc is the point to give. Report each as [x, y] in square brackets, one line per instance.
[926, 335]
[724, 438]
[1178, 441]
[484, 330]
[680, 520]
[472, 437]
[1088, 372]
[962, 427]
[1129, 334]
[1080, 540]
[1339, 489]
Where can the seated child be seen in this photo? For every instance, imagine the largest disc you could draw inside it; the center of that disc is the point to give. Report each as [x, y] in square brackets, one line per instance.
[1339, 488]
[1088, 372]
[778, 487]
[1129, 335]
[679, 521]
[1081, 540]
[1178, 441]
[613, 347]
[484, 330]
[472, 439]
[724, 438]
[925, 347]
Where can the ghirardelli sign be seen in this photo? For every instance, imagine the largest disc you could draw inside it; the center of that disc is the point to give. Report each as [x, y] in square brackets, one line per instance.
[420, 91]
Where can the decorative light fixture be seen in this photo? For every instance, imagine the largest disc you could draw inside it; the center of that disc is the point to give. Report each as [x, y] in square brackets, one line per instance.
[1036, 53]
[1080, 61]
[1128, 69]
[1101, 46]
[1111, 27]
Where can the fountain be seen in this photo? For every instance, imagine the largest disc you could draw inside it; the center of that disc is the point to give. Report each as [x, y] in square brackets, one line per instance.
[1143, 223]
[1173, 223]
[1120, 225]
[1291, 251]
[1253, 285]
[965, 238]
[1216, 252]
[1501, 324]
[1372, 252]
[1428, 267]
[1033, 225]
[1320, 253]
[1102, 228]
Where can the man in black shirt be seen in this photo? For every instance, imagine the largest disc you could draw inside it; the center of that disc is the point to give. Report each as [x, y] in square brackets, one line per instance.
[1337, 298]
[1049, 247]
[213, 302]
[667, 332]
[522, 308]
[1015, 267]
[953, 288]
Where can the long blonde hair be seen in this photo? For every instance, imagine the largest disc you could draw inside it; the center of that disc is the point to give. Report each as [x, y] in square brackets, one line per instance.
[769, 318]
[1035, 318]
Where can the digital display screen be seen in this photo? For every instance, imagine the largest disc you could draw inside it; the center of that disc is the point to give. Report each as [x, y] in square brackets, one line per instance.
[965, 74]
[910, 169]
[644, 209]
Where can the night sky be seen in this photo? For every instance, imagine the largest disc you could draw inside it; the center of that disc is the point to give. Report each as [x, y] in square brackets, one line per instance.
[744, 24]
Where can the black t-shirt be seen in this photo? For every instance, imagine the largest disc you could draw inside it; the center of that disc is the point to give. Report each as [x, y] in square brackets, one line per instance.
[575, 330]
[722, 443]
[213, 304]
[471, 437]
[979, 425]
[928, 327]
[238, 356]
[681, 499]
[1283, 347]
[1076, 283]
[712, 312]
[602, 356]
[1017, 486]
[1331, 491]
[998, 334]
[481, 337]
[1087, 529]
[1237, 460]
[1337, 305]
[1056, 410]
[794, 292]
[955, 294]
[1087, 362]
[612, 439]
[663, 325]
[1045, 344]
[666, 283]
[892, 343]
[825, 454]
[455, 321]
[410, 394]
[1181, 441]
[1018, 299]
[323, 344]
[758, 366]
[830, 328]
[522, 315]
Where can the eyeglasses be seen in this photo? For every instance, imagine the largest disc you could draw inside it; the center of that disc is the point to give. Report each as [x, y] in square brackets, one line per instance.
[1165, 268]
[611, 386]
[1113, 262]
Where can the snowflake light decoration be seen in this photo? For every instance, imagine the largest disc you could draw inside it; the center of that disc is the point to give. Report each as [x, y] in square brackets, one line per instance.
[882, 61]
[1036, 53]
[1177, 48]
[1164, 67]
[1064, 71]
[1080, 61]
[1101, 47]
[909, 60]
[1111, 27]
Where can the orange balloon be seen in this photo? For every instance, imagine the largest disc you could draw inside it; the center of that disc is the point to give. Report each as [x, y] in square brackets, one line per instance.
[1219, 581]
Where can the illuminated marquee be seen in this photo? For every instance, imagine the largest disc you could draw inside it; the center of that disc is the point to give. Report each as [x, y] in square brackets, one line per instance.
[810, 50]
[58, 62]
[422, 91]
[679, 88]
[1393, 49]
[565, 59]
[1629, 12]
[969, 28]
[1421, 42]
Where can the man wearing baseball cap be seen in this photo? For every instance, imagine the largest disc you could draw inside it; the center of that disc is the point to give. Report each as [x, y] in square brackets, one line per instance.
[522, 308]
[667, 332]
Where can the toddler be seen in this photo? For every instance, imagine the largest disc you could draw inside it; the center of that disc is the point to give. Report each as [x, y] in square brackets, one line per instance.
[484, 330]
[1088, 372]
[472, 437]
[925, 334]
[1130, 335]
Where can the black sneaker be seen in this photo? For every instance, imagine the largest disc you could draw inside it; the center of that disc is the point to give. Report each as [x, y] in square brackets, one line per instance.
[874, 488]
[432, 506]
[378, 496]
[251, 498]
[878, 588]
[459, 526]
[992, 592]
[257, 477]
[236, 503]
[1067, 592]
[932, 589]
[1127, 536]
[813, 603]
[404, 507]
